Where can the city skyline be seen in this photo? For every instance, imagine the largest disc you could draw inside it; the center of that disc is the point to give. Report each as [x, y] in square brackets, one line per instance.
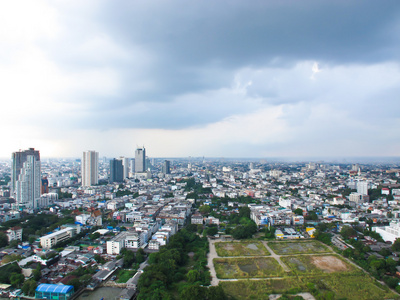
[231, 79]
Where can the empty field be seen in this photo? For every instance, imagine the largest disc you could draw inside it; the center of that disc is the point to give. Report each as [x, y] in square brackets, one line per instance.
[297, 247]
[254, 248]
[318, 264]
[260, 267]
[330, 286]
[259, 289]
[313, 269]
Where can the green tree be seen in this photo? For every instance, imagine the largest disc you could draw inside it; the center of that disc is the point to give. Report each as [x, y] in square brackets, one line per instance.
[14, 243]
[392, 282]
[76, 283]
[347, 232]
[311, 216]
[16, 279]
[298, 211]
[129, 258]
[193, 292]
[193, 276]
[396, 245]
[212, 231]
[244, 211]
[205, 209]
[94, 236]
[12, 257]
[7, 270]
[37, 274]
[270, 232]
[3, 240]
[99, 259]
[29, 287]
[216, 293]
[140, 257]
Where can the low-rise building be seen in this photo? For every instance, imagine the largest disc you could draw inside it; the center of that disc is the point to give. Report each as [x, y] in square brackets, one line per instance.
[14, 233]
[51, 239]
[116, 244]
[54, 291]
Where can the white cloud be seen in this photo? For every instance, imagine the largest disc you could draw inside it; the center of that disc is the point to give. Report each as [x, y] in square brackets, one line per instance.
[70, 82]
[315, 69]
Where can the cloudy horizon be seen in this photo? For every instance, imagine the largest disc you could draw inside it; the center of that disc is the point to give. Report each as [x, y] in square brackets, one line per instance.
[214, 79]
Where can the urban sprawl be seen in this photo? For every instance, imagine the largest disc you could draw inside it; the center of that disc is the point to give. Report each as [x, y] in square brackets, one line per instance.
[70, 227]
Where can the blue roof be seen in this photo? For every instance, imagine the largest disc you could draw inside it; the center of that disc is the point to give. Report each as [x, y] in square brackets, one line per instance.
[54, 288]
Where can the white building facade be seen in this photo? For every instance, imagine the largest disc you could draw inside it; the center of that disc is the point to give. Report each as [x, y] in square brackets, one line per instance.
[90, 168]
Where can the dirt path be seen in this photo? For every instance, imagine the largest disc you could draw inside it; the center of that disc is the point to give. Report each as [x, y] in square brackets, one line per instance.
[210, 264]
[276, 256]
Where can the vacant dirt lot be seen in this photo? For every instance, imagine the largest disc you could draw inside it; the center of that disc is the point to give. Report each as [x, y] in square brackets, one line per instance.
[329, 263]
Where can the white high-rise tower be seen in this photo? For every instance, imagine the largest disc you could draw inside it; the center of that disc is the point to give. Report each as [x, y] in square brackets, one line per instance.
[362, 187]
[140, 160]
[27, 185]
[125, 166]
[90, 168]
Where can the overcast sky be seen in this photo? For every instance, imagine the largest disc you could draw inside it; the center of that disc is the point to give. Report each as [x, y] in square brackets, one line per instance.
[200, 78]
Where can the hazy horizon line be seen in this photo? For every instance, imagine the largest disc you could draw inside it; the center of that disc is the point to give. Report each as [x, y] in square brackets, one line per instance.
[326, 159]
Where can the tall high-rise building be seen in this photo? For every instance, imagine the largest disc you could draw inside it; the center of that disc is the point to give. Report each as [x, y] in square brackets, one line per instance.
[125, 166]
[167, 167]
[45, 185]
[132, 166]
[116, 170]
[362, 187]
[140, 160]
[90, 168]
[18, 159]
[26, 178]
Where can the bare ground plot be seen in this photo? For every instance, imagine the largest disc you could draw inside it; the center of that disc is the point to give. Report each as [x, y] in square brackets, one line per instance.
[241, 267]
[297, 247]
[318, 264]
[329, 286]
[253, 248]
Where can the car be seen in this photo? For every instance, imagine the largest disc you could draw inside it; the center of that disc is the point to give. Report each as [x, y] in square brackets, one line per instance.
[113, 278]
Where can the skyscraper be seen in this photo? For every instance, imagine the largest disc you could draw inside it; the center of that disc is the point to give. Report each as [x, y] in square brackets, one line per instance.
[26, 178]
[167, 167]
[45, 185]
[132, 167]
[90, 168]
[125, 166]
[362, 187]
[18, 159]
[140, 160]
[116, 170]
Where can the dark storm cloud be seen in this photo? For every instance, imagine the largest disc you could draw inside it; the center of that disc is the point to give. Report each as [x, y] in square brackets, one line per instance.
[230, 35]
[237, 33]
[175, 48]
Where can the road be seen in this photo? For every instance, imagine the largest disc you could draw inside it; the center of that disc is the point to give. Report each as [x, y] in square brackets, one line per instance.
[210, 264]
[277, 257]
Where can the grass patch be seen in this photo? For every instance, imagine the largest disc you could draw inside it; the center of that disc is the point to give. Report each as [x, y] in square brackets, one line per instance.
[325, 275]
[252, 248]
[330, 286]
[259, 289]
[296, 247]
[124, 275]
[361, 287]
[260, 267]
[316, 264]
